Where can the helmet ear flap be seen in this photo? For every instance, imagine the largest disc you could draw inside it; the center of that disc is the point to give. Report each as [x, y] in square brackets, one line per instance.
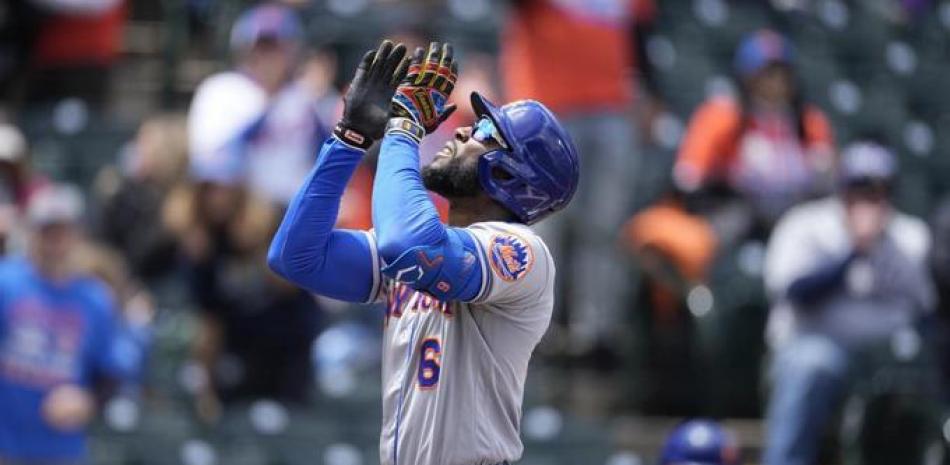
[498, 181]
[485, 167]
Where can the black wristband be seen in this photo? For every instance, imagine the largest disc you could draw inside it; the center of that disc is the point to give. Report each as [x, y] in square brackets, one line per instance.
[352, 137]
[406, 126]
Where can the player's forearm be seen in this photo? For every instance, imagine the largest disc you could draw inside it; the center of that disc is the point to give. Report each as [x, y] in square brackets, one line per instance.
[403, 213]
[300, 245]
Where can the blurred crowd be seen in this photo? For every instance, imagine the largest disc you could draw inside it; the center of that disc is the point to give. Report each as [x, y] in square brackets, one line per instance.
[836, 293]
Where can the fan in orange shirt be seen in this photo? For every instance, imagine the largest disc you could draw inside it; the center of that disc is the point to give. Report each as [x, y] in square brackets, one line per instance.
[576, 55]
[769, 147]
[742, 163]
[581, 58]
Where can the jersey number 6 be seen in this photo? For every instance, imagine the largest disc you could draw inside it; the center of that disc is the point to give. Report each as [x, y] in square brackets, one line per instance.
[430, 355]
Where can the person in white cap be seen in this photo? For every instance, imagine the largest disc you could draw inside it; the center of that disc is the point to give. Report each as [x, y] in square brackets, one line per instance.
[845, 274]
[259, 116]
[58, 332]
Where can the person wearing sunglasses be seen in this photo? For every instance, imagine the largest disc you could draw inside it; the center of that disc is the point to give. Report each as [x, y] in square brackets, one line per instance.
[467, 301]
[846, 274]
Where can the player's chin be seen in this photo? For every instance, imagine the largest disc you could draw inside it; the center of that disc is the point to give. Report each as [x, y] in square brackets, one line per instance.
[431, 175]
[437, 177]
[451, 180]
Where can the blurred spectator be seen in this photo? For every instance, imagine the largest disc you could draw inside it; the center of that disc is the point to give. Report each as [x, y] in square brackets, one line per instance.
[845, 273]
[17, 186]
[317, 77]
[255, 330]
[576, 57]
[68, 48]
[700, 442]
[675, 250]
[59, 333]
[17, 182]
[940, 258]
[258, 115]
[750, 159]
[131, 196]
[132, 299]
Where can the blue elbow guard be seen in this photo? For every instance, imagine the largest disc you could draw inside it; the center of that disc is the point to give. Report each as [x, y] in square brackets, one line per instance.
[447, 271]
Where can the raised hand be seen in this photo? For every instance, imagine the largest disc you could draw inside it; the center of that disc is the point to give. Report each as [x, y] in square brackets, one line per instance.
[367, 101]
[423, 94]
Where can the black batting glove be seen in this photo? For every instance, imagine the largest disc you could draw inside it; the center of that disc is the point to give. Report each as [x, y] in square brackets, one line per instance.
[366, 105]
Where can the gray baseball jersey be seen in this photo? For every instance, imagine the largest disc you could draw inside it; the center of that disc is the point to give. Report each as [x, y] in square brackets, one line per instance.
[454, 372]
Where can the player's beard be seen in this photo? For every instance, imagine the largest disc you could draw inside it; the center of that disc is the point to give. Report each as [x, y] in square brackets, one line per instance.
[454, 179]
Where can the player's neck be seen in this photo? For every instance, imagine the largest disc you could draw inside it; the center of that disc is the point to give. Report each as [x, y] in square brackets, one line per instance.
[471, 210]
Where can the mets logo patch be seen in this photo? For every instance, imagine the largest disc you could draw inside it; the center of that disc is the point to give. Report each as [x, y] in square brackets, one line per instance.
[511, 257]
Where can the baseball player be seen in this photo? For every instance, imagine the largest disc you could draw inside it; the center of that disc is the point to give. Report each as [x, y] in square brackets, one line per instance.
[466, 302]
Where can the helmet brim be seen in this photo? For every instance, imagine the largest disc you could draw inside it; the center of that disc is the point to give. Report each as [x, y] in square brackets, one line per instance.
[481, 106]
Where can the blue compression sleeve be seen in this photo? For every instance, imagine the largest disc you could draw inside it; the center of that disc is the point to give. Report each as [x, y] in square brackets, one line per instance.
[417, 248]
[308, 251]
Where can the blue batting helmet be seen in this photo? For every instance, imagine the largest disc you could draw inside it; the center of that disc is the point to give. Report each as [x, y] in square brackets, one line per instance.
[700, 442]
[540, 165]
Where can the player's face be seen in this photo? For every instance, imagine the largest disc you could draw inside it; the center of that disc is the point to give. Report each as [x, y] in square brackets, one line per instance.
[453, 172]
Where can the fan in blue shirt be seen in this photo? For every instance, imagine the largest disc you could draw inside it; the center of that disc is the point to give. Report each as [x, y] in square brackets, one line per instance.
[58, 333]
